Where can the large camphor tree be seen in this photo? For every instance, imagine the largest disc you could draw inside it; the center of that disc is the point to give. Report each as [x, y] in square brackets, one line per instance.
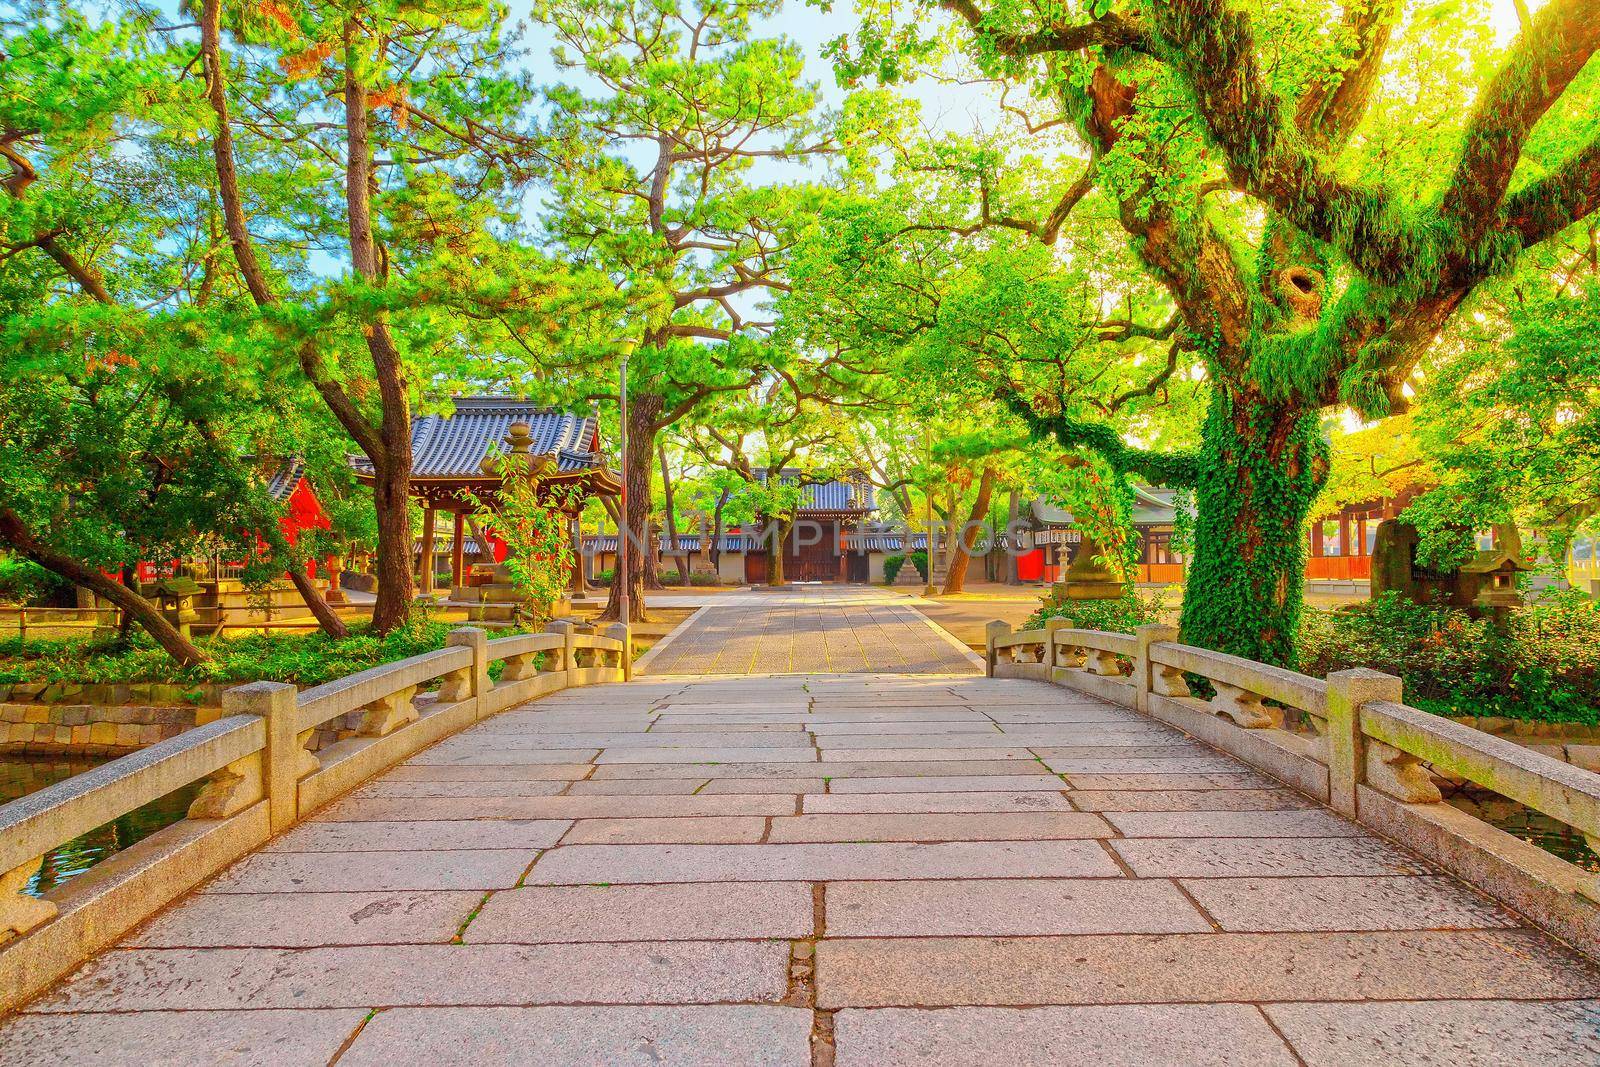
[1319, 188]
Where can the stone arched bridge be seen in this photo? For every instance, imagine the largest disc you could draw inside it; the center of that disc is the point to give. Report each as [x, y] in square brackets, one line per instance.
[1074, 862]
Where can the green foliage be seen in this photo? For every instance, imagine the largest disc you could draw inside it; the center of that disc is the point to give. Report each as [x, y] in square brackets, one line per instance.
[891, 567]
[893, 564]
[1544, 666]
[305, 659]
[1132, 609]
[24, 582]
[529, 518]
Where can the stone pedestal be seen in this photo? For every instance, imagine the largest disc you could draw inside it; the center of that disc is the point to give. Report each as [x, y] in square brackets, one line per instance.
[1086, 579]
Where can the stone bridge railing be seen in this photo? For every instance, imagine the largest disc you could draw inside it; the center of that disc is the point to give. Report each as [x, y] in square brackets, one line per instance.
[260, 778]
[1349, 742]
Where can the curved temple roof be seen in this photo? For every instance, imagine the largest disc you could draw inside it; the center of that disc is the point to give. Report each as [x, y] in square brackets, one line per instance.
[453, 447]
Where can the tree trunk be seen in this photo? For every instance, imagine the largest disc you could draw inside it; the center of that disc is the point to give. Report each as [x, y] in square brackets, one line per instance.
[775, 576]
[672, 520]
[1013, 513]
[394, 599]
[716, 534]
[15, 534]
[643, 411]
[390, 496]
[392, 481]
[1261, 468]
[326, 617]
[956, 576]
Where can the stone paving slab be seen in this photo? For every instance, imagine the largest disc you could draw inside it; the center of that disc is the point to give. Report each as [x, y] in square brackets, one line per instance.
[1345, 903]
[1235, 779]
[835, 769]
[730, 1035]
[1189, 968]
[586, 864]
[1009, 907]
[888, 803]
[1462, 1033]
[1212, 1035]
[764, 785]
[1212, 800]
[658, 972]
[306, 920]
[720, 830]
[997, 826]
[180, 1038]
[526, 772]
[461, 789]
[1311, 823]
[491, 755]
[688, 912]
[1234, 857]
[936, 783]
[625, 787]
[415, 835]
[451, 808]
[313, 872]
[895, 755]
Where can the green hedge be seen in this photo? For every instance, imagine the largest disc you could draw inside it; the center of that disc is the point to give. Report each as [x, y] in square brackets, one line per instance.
[306, 659]
[893, 564]
[1544, 665]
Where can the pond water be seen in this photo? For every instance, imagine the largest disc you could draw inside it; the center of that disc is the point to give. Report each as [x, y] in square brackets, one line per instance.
[21, 775]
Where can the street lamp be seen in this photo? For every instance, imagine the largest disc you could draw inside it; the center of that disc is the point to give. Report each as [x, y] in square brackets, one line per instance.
[623, 614]
[927, 587]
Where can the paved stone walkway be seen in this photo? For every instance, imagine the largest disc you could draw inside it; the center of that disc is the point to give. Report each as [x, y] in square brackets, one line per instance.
[869, 870]
[811, 629]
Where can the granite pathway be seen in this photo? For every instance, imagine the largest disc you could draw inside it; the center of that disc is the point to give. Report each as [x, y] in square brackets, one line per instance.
[811, 629]
[862, 870]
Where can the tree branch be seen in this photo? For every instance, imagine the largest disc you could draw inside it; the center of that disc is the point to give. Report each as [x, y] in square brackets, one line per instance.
[1543, 61]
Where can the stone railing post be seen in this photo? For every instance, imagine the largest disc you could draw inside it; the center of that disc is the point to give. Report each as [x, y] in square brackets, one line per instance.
[1149, 676]
[619, 631]
[285, 760]
[991, 633]
[475, 639]
[1050, 628]
[569, 651]
[1353, 758]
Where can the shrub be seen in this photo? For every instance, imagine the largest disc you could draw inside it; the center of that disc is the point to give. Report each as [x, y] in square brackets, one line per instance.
[306, 659]
[702, 578]
[891, 567]
[606, 577]
[1544, 665]
[919, 560]
[1115, 616]
[23, 581]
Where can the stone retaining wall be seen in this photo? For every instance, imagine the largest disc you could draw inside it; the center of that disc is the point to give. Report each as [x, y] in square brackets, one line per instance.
[94, 729]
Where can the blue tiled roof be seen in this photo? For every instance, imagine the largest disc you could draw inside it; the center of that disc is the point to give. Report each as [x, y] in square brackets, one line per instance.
[838, 495]
[455, 445]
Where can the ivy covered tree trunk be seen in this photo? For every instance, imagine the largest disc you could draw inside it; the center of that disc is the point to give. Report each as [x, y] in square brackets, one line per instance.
[1261, 468]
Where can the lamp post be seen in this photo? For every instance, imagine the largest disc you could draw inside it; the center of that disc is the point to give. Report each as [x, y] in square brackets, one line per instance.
[927, 586]
[623, 614]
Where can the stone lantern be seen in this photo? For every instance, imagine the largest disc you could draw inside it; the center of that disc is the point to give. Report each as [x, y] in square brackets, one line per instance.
[175, 599]
[1490, 579]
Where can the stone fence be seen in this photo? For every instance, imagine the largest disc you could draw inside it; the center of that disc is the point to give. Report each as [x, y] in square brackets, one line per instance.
[1348, 742]
[260, 779]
